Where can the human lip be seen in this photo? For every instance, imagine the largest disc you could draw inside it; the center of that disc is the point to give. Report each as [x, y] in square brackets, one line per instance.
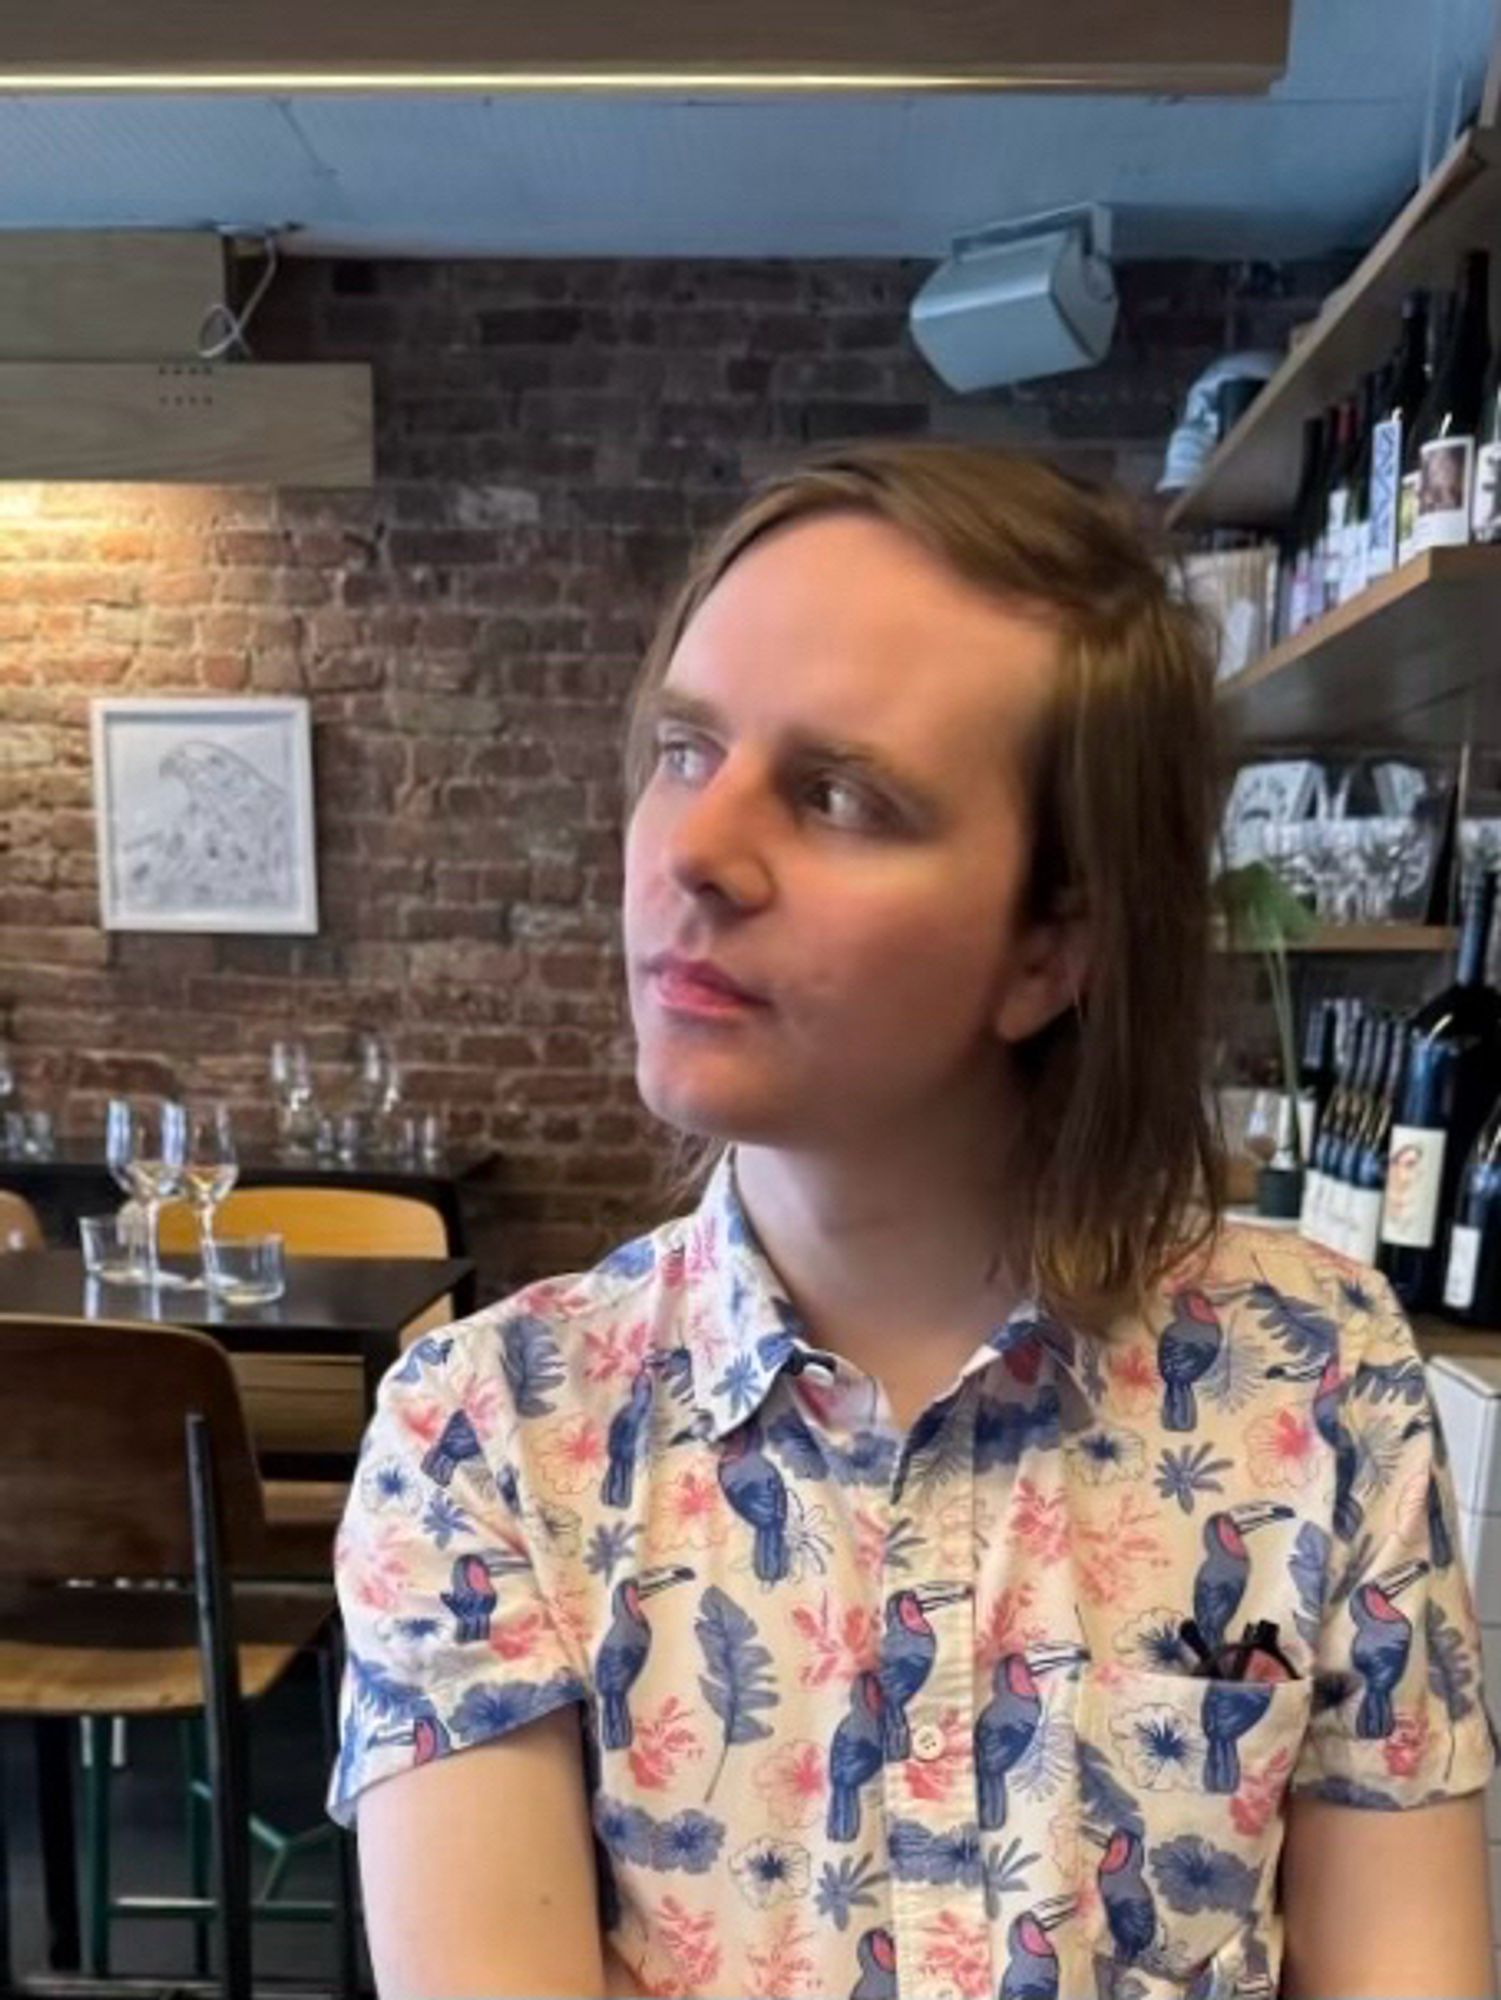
[697, 985]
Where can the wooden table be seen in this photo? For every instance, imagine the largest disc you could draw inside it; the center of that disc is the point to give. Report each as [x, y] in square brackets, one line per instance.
[332, 1305]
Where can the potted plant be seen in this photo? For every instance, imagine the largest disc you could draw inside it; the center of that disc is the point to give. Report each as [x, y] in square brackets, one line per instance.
[1261, 913]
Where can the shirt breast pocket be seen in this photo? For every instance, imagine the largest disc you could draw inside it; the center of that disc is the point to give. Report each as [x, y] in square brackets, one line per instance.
[1181, 1784]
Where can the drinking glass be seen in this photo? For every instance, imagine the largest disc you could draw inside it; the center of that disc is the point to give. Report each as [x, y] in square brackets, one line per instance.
[248, 1270]
[145, 1144]
[210, 1170]
[292, 1082]
[108, 1246]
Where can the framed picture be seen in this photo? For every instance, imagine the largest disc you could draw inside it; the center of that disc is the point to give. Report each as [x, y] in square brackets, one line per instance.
[204, 814]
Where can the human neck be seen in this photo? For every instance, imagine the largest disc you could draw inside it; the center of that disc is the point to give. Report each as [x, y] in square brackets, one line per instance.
[894, 1260]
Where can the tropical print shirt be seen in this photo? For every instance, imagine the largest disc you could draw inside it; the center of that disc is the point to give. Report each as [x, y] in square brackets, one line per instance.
[871, 1713]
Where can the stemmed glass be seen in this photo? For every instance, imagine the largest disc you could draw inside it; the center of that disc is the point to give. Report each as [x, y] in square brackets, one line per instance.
[292, 1081]
[210, 1170]
[145, 1144]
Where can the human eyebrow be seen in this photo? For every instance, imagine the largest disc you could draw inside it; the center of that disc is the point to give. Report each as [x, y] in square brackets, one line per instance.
[859, 759]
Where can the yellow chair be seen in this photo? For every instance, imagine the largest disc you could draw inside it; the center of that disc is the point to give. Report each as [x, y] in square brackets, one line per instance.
[315, 1402]
[20, 1227]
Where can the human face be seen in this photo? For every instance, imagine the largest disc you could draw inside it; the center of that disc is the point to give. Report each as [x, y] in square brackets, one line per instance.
[878, 916]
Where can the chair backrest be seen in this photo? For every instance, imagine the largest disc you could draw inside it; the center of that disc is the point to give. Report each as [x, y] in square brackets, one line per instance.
[93, 1467]
[20, 1226]
[320, 1222]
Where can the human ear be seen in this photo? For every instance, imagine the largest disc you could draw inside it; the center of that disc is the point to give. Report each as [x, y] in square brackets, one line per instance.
[1047, 975]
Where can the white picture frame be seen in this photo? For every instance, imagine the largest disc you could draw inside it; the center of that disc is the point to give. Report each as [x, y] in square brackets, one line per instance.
[204, 813]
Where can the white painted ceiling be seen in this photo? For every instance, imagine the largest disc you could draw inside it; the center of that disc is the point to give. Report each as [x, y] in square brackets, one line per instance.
[1316, 165]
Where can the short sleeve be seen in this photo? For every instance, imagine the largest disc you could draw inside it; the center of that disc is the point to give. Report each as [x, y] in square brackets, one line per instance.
[450, 1641]
[1398, 1716]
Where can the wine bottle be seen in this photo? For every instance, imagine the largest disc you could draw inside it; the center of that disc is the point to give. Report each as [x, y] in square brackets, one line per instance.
[1315, 1220]
[1292, 612]
[1309, 588]
[1337, 510]
[1472, 1281]
[1399, 407]
[1435, 341]
[1346, 1152]
[1446, 449]
[1368, 1168]
[1355, 562]
[1453, 1076]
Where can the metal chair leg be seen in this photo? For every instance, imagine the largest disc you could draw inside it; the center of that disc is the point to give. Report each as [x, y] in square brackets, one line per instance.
[190, 1740]
[346, 1948]
[53, 1737]
[7, 1966]
[225, 1715]
[96, 1796]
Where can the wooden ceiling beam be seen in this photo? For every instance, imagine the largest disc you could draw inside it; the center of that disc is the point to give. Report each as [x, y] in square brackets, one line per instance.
[1152, 45]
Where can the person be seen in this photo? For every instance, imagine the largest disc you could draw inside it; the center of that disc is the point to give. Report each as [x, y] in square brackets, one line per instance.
[948, 1557]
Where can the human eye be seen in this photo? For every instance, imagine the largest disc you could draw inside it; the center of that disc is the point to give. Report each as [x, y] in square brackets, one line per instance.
[869, 815]
[671, 748]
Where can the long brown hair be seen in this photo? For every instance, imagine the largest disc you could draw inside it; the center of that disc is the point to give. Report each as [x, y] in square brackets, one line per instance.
[1120, 1170]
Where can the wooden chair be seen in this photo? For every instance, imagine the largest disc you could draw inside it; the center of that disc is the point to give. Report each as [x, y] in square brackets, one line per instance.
[314, 1403]
[133, 1524]
[20, 1226]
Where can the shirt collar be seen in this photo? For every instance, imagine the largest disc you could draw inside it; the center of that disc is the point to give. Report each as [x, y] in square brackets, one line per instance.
[743, 1330]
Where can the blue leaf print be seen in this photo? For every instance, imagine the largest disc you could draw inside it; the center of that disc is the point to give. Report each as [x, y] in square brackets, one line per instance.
[1397, 1381]
[1309, 1570]
[629, 1260]
[848, 1886]
[1451, 1672]
[611, 1544]
[797, 1447]
[1006, 1872]
[738, 1680]
[676, 1371]
[1348, 1792]
[428, 1352]
[443, 1519]
[491, 1709]
[946, 1859]
[739, 1384]
[376, 1690]
[1188, 1471]
[533, 1364]
[1304, 1328]
[1194, 1875]
[1104, 1801]
[1003, 1431]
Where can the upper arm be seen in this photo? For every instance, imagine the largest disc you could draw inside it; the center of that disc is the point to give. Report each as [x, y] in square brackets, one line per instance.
[478, 1872]
[1378, 1903]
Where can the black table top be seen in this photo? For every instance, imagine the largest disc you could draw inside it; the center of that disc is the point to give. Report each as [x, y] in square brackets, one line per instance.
[86, 1156]
[332, 1305]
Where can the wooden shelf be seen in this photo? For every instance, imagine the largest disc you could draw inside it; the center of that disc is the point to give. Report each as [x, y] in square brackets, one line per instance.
[1411, 662]
[1368, 938]
[1252, 478]
[1442, 1336]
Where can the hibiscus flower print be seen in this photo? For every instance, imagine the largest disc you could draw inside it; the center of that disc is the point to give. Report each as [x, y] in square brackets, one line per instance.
[1106, 1455]
[571, 1453]
[769, 1871]
[793, 1782]
[1150, 1641]
[1404, 1748]
[1039, 1520]
[695, 1511]
[378, 1568]
[1161, 1749]
[389, 1486]
[1283, 1449]
[956, 1957]
[1132, 1373]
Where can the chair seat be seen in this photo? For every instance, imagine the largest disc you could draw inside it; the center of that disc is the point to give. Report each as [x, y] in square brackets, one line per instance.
[302, 1519]
[103, 1651]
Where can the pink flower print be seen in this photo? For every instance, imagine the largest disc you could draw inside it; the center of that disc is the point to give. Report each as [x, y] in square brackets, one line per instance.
[1404, 1748]
[962, 1531]
[378, 1571]
[616, 1354]
[1040, 1522]
[672, 1268]
[571, 1453]
[423, 1417]
[1260, 1794]
[664, 1737]
[956, 1956]
[1113, 1547]
[1007, 1624]
[695, 1510]
[484, 1406]
[870, 1542]
[793, 1782]
[1283, 1449]
[935, 1780]
[838, 1649]
[689, 1938]
[1133, 1377]
[517, 1637]
[784, 1969]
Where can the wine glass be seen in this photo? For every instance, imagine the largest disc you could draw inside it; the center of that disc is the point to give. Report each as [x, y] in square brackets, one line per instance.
[145, 1144]
[292, 1082]
[210, 1169]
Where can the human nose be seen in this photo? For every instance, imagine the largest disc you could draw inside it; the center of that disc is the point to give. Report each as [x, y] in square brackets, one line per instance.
[715, 842]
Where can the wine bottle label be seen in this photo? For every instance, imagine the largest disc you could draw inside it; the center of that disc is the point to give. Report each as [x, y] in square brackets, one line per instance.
[1485, 511]
[1407, 518]
[1464, 1260]
[1364, 1231]
[1313, 1201]
[1445, 483]
[1357, 552]
[1414, 1169]
[1386, 481]
[1297, 604]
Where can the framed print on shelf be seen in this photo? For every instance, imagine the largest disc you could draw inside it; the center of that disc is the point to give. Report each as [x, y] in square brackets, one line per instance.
[204, 814]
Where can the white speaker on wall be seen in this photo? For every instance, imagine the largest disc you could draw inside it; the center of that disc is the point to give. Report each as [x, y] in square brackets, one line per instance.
[1021, 299]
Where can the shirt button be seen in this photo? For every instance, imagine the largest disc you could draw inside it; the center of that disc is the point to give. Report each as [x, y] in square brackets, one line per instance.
[927, 1743]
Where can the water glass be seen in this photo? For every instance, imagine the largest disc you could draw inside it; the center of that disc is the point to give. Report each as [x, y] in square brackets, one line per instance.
[110, 1251]
[145, 1143]
[247, 1270]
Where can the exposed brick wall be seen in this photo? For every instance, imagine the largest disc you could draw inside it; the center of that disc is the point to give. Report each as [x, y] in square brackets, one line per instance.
[551, 438]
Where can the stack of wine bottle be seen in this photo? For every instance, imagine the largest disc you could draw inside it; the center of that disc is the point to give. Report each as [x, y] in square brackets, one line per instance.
[1404, 1170]
[1412, 461]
